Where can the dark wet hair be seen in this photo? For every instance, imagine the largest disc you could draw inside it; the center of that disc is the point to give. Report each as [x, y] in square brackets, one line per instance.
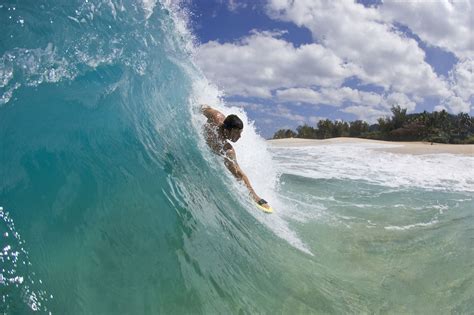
[232, 121]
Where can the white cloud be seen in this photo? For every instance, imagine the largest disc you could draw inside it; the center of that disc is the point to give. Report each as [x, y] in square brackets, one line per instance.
[262, 62]
[401, 100]
[303, 95]
[351, 41]
[440, 108]
[366, 113]
[364, 105]
[442, 23]
[373, 49]
[284, 112]
[457, 104]
[338, 96]
[462, 79]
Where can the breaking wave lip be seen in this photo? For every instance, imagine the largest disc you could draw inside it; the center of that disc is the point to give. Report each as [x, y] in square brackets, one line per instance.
[64, 61]
[258, 165]
[50, 64]
[446, 172]
[78, 68]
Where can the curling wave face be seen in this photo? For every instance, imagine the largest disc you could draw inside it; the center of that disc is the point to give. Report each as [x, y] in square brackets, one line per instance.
[104, 172]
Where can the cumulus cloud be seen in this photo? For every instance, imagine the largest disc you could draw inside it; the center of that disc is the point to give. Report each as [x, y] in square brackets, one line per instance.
[328, 96]
[284, 112]
[462, 79]
[440, 108]
[401, 100]
[375, 51]
[442, 23]
[299, 95]
[262, 62]
[350, 41]
[448, 25]
[457, 104]
[338, 96]
[366, 113]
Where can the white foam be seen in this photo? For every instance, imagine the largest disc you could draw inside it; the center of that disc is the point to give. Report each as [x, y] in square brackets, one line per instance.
[254, 158]
[357, 161]
[252, 151]
[148, 6]
[410, 226]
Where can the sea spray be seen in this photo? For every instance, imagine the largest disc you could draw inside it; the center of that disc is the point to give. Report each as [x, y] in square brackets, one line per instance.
[254, 158]
[104, 169]
[16, 277]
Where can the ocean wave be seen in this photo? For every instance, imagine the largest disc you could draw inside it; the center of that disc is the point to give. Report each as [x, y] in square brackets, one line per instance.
[445, 172]
[105, 170]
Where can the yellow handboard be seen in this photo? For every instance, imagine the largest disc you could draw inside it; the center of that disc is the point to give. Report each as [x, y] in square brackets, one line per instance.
[269, 210]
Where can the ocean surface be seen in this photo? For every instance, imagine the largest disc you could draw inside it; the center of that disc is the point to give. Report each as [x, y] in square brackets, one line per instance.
[113, 204]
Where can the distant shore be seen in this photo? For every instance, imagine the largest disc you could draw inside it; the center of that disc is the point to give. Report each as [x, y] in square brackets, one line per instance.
[401, 147]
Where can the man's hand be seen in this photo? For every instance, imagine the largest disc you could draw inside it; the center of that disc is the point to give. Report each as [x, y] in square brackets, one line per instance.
[263, 203]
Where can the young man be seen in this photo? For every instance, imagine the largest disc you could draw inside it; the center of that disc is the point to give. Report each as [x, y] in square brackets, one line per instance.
[217, 131]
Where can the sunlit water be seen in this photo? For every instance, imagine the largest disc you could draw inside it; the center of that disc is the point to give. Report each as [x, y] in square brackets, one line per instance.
[389, 232]
[112, 203]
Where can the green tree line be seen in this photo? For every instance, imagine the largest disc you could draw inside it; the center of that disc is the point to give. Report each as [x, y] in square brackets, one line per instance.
[440, 127]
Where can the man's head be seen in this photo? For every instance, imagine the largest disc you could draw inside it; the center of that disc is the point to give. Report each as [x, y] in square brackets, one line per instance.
[233, 127]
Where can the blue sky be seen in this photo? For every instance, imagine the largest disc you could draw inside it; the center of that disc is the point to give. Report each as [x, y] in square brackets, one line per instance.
[293, 62]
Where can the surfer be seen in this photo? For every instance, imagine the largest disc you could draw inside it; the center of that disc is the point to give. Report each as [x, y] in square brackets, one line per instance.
[217, 131]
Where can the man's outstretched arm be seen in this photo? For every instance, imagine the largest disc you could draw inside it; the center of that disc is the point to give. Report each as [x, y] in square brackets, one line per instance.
[230, 162]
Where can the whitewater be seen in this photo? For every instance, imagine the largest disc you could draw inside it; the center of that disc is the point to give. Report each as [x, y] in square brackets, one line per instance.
[112, 203]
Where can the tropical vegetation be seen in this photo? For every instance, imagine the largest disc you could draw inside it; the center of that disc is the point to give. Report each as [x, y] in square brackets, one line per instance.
[438, 126]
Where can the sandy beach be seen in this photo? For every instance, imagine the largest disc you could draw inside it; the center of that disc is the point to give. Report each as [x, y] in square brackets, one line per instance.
[399, 147]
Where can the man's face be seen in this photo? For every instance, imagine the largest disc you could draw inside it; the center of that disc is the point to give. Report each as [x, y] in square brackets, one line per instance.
[234, 134]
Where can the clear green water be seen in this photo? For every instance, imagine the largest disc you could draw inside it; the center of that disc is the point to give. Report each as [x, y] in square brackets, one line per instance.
[387, 251]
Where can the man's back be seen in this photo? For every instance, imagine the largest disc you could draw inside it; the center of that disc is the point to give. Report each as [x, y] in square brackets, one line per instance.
[217, 130]
[212, 131]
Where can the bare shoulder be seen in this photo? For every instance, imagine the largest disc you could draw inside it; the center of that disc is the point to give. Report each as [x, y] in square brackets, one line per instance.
[212, 114]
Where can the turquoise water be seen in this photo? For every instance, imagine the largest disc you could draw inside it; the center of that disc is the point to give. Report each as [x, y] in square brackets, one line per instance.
[112, 203]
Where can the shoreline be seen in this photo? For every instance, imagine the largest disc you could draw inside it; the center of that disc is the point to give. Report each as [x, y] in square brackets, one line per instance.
[415, 148]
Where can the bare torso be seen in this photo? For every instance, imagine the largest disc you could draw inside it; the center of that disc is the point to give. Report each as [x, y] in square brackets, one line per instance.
[213, 134]
[216, 138]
